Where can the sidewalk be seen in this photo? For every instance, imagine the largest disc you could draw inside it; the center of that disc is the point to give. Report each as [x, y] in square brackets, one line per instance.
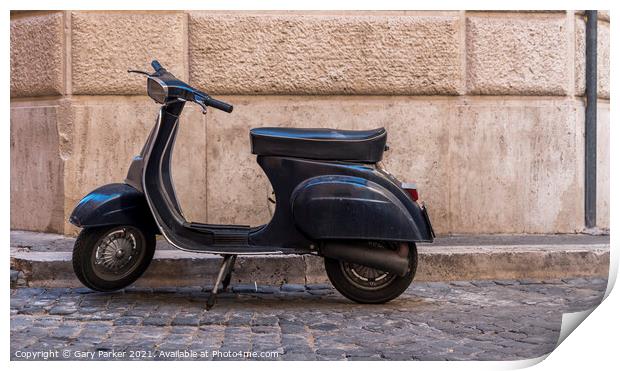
[44, 260]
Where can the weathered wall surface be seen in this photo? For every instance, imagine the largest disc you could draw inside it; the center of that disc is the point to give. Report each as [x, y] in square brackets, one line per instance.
[485, 110]
[462, 154]
[355, 54]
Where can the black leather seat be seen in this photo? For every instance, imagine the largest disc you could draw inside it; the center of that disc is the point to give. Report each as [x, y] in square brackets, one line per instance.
[320, 144]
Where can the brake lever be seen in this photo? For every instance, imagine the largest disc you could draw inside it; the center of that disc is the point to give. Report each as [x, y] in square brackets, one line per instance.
[140, 72]
[202, 106]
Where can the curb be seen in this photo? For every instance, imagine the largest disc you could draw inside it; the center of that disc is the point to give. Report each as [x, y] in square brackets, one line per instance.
[436, 263]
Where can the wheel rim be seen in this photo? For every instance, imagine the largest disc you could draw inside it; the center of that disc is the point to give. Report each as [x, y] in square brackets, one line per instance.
[118, 253]
[367, 278]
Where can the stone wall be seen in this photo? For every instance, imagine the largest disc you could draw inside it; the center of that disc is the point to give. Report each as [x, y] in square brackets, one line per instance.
[485, 110]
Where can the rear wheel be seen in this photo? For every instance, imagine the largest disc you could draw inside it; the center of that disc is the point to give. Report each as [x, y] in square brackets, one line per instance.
[111, 258]
[368, 285]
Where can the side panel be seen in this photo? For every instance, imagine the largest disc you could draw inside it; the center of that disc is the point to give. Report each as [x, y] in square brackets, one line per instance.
[113, 204]
[346, 207]
[286, 174]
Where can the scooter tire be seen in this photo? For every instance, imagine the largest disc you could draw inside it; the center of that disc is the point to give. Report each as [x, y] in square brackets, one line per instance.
[338, 277]
[84, 255]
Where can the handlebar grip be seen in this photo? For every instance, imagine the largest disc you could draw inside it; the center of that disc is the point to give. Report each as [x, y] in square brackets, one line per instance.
[218, 104]
[156, 66]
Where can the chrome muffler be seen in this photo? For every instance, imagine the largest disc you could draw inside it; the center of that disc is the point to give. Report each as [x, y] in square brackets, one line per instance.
[383, 259]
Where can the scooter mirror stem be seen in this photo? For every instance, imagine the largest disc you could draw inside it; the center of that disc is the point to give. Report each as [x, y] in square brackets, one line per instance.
[138, 71]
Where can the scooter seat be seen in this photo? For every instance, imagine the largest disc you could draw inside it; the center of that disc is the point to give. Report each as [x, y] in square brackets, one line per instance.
[365, 146]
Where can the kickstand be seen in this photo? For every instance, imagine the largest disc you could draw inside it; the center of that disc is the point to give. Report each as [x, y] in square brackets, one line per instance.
[226, 281]
[225, 271]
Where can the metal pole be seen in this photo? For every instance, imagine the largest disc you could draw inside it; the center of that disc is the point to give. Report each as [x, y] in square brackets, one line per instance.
[591, 100]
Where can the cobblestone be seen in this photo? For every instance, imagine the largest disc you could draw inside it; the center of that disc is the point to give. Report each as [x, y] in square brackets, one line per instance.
[477, 320]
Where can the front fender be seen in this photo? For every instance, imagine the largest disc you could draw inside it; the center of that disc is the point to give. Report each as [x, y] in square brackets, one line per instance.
[348, 207]
[113, 204]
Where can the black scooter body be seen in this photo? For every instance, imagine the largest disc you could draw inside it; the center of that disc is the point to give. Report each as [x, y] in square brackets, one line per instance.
[333, 199]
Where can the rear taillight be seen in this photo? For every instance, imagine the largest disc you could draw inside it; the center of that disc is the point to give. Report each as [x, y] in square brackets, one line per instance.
[412, 189]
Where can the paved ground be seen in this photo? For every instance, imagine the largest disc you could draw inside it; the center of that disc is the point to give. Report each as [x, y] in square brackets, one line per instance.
[477, 320]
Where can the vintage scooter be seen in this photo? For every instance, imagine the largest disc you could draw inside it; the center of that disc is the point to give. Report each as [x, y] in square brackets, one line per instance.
[333, 199]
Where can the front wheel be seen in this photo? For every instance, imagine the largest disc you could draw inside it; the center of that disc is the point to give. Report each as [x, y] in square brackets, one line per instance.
[111, 258]
[368, 285]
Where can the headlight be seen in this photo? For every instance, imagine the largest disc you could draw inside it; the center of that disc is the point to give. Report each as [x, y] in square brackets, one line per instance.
[157, 90]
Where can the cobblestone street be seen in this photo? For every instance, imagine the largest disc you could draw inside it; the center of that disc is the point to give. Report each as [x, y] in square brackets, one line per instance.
[477, 320]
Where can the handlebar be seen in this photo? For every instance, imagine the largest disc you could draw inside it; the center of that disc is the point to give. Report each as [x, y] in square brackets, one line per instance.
[185, 91]
[156, 66]
[218, 104]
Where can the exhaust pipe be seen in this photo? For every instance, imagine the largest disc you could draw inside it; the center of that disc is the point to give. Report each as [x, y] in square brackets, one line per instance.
[385, 260]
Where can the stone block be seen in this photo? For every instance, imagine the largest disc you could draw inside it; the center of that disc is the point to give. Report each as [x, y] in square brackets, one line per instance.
[324, 54]
[521, 262]
[271, 270]
[517, 56]
[36, 168]
[37, 55]
[602, 63]
[315, 270]
[516, 167]
[189, 269]
[105, 45]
